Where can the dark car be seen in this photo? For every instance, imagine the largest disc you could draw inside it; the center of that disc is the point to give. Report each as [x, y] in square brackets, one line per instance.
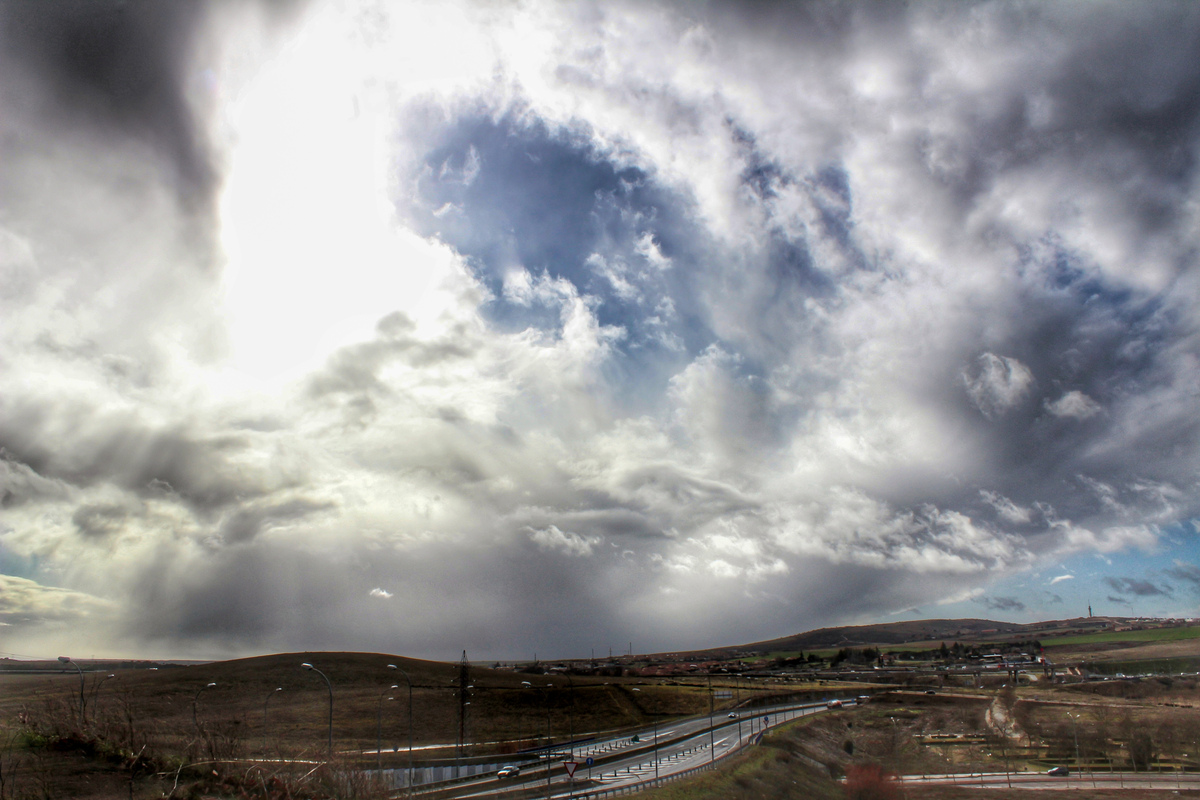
[509, 771]
[1063, 771]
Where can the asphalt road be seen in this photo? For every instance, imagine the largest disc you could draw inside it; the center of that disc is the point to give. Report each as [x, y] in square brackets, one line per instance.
[1033, 780]
[682, 745]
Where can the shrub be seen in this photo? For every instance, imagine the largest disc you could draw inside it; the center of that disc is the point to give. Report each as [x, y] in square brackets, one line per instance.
[870, 782]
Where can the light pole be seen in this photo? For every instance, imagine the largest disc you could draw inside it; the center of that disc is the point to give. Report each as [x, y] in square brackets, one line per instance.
[655, 721]
[266, 740]
[571, 716]
[712, 748]
[546, 703]
[67, 660]
[379, 732]
[409, 683]
[196, 699]
[311, 668]
[96, 692]
[546, 698]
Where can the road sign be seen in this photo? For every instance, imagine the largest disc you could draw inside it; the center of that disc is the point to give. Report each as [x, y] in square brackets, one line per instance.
[590, 761]
[571, 767]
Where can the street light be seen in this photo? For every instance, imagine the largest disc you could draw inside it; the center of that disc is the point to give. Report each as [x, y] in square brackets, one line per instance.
[655, 721]
[67, 660]
[96, 692]
[410, 722]
[546, 697]
[712, 747]
[571, 716]
[311, 668]
[379, 731]
[266, 741]
[195, 719]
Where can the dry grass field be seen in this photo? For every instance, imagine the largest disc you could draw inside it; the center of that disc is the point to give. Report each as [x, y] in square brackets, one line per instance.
[144, 729]
[261, 729]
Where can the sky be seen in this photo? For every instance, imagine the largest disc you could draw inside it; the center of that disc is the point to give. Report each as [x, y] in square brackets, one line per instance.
[548, 328]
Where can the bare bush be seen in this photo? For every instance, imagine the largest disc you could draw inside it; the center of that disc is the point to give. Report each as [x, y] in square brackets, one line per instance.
[871, 782]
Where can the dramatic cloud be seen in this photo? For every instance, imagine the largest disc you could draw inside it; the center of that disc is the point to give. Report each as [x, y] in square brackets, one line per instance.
[566, 324]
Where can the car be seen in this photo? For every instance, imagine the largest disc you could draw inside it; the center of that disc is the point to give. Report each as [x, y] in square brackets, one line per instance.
[733, 715]
[508, 771]
[930, 691]
[1061, 771]
[834, 704]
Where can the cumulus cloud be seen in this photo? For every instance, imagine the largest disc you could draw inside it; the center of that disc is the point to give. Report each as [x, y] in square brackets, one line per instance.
[664, 316]
[1074, 404]
[997, 384]
[566, 542]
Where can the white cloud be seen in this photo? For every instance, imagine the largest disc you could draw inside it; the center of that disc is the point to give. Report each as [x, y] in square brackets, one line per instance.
[566, 542]
[1074, 404]
[1061, 578]
[998, 384]
[383, 594]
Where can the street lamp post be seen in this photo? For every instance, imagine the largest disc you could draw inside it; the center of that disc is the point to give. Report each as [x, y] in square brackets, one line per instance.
[195, 700]
[410, 722]
[571, 716]
[96, 692]
[379, 732]
[712, 748]
[546, 697]
[266, 740]
[655, 721]
[67, 660]
[311, 668]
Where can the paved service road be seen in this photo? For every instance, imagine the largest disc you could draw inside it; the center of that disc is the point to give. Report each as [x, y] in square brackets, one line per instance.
[1035, 780]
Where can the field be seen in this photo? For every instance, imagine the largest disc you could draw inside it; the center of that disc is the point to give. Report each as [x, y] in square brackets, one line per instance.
[1114, 637]
[261, 727]
[144, 729]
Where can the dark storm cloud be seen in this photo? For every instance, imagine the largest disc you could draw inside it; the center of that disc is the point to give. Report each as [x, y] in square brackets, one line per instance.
[19, 483]
[99, 521]
[106, 447]
[116, 69]
[248, 521]
[1138, 588]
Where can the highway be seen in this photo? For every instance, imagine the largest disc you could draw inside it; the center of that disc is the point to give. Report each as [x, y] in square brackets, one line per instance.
[682, 745]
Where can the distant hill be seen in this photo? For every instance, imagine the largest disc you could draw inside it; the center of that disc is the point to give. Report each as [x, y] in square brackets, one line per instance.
[907, 632]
